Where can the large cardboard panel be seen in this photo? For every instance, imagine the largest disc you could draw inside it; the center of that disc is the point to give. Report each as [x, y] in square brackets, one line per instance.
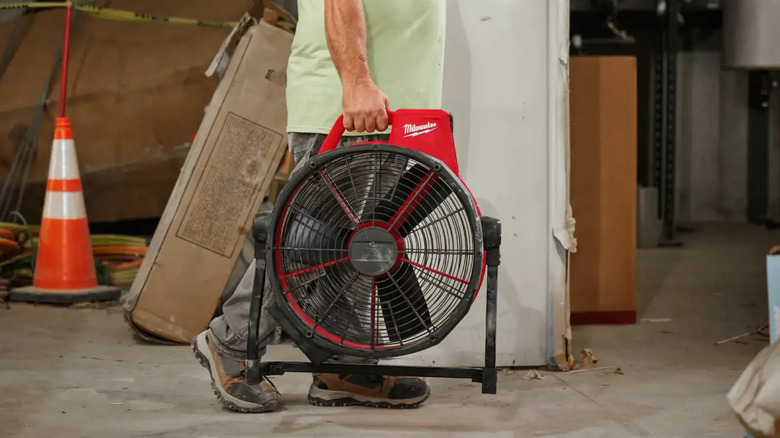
[136, 189]
[603, 189]
[229, 168]
[134, 90]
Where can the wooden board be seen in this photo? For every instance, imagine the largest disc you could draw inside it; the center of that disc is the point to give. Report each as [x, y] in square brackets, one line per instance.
[603, 189]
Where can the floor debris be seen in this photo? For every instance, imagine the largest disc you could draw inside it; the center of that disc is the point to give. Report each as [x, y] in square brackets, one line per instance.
[734, 338]
[588, 359]
[533, 375]
[761, 331]
[615, 369]
[656, 320]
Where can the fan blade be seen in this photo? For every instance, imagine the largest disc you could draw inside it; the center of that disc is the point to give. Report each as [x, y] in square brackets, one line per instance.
[314, 241]
[408, 316]
[412, 186]
[403, 304]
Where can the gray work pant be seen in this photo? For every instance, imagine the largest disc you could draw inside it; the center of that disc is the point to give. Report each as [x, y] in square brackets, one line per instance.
[229, 331]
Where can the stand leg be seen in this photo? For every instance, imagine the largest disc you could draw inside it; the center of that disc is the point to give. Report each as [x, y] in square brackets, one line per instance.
[260, 235]
[491, 229]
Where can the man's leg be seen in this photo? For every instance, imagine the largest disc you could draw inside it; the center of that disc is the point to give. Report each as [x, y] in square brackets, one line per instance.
[230, 330]
[359, 389]
[222, 348]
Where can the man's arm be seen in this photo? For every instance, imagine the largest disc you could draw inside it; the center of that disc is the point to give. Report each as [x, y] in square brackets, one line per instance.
[364, 105]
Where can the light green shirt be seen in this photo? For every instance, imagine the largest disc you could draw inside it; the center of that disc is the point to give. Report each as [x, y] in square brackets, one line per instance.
[405, 45]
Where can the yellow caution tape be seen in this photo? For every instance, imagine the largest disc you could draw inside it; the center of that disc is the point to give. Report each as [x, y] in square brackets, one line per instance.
[118, 14]
[34, 5]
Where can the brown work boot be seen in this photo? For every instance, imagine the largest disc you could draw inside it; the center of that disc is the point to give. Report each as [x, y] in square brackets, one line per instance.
[368, 390]
[228, 380]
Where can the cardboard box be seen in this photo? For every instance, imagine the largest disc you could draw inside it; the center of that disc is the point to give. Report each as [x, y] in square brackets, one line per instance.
[773, 289]
[604, 189]
[229, 168]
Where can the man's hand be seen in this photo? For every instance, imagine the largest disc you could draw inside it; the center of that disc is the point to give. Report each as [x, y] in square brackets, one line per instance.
[365, 107]
[363, 103]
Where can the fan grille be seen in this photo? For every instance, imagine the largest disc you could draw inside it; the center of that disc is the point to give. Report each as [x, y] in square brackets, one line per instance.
[377, 249]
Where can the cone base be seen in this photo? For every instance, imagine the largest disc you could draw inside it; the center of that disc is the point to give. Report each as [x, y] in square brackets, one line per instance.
[63, 296]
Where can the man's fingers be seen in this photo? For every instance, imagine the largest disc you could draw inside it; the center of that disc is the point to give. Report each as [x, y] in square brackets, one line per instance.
[382, 121]
[360, 124]
[349, 123]
[371, 123]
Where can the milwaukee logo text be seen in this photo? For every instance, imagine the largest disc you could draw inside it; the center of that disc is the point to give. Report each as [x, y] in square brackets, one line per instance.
[412, 130]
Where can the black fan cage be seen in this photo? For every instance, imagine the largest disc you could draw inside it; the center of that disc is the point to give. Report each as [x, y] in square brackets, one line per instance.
[376, 251]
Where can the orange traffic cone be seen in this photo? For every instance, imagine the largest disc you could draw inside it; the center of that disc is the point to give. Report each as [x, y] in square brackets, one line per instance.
[64, 266]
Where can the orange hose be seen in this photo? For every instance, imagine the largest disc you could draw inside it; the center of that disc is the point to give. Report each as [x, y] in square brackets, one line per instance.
[124, 266]
[8, 248]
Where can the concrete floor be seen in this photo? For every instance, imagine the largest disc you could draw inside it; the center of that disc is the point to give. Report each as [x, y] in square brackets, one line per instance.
[81, 372]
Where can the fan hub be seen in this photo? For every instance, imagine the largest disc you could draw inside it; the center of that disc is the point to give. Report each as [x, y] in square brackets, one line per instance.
[373, 251]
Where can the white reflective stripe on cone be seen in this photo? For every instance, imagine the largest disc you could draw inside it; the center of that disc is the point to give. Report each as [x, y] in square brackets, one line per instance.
[64, 205]
[63, 164]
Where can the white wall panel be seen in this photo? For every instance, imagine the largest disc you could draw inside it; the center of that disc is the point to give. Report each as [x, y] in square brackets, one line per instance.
[498, 87]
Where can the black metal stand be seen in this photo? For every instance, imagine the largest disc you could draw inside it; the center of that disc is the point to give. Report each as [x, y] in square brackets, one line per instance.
[491, 230]
[665, 121]
[761, 85]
